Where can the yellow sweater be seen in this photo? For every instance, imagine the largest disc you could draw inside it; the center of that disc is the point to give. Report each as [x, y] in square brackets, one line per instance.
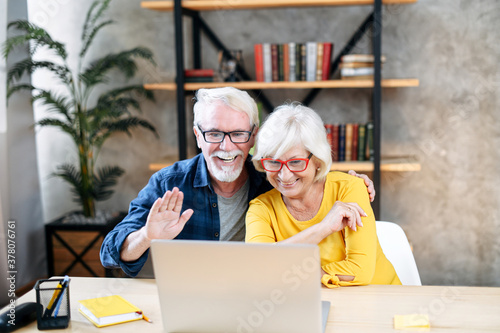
[356, 253]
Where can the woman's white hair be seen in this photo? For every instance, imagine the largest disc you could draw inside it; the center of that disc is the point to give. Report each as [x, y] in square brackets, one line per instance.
[289, 126]
[236, 99]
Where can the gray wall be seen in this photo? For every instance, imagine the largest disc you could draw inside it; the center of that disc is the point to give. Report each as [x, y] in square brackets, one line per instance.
[450, 210]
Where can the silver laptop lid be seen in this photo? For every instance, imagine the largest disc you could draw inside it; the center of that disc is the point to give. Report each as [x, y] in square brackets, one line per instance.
[207, 286]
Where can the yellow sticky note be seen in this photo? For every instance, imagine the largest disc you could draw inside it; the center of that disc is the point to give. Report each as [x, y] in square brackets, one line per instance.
[413, 322]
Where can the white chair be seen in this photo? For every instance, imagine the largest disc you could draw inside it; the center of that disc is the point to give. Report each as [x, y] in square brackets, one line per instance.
[397, 249]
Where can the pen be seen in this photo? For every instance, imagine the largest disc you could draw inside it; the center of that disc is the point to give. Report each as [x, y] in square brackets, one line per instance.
[57, 291]
[64, 287]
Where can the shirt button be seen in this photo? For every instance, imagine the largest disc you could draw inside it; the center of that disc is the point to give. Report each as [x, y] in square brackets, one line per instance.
[216, 234]
[214, 205]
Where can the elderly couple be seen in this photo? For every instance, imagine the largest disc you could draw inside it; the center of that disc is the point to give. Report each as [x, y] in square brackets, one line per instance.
[221, 194]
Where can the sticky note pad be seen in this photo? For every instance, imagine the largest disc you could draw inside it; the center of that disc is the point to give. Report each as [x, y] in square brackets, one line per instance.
[412, 322]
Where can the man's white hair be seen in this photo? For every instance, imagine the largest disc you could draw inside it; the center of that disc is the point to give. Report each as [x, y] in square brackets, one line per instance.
[236, 99]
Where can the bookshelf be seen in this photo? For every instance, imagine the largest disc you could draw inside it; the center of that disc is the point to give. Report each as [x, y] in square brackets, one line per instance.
[205, 5]
[192, 8]
[248, 85]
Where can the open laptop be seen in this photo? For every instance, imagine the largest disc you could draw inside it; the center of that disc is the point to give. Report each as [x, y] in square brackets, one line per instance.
[207, 286]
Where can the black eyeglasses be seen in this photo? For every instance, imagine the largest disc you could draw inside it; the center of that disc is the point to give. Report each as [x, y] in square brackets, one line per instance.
[219, 136]
[294, 165]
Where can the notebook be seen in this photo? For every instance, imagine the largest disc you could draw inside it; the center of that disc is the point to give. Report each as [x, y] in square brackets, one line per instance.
[109, 310]
[207, 286]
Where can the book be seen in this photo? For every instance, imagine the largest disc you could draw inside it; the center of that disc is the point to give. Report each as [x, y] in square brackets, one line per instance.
[259, 63]
[329, 135]
[274, 62]
[303, 62]
[358, 77]
[208, 72]
[369, 142]
[355, 142]
[292, 57]
[348, 142]
[361, 142]
[195, 79]
[286, 63]
[281, 63]
[355, 64]
[341, 142]
[266, 52]
[311, 57]
[319, 62]
[335, 142]
[109, 310]
[363, 71]
[361, 58]
[327, 60]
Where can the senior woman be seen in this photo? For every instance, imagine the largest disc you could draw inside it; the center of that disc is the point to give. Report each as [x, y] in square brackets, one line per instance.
[309, 204]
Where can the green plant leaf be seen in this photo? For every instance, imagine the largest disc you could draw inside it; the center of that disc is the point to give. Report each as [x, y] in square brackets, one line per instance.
[88, 40]
[59, 104]
[70, 173]
[123, 62]
[125, 125]
[100, 7]
[19, 87]
[29, 66]
[34, 34]
[134, 90]
[106, 178]
[66, 127]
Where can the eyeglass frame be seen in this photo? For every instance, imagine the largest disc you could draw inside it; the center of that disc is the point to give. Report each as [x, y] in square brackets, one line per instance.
[226, 133]
[262, 160]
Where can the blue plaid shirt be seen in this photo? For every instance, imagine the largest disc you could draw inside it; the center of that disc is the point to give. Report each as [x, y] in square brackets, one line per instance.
[192, 178]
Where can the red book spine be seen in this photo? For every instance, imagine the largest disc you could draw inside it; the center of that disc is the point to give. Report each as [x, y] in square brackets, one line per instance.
[335, 142]
[259, 63]
[274, 62]
[198, 72]
[327, 60]
[354, 154]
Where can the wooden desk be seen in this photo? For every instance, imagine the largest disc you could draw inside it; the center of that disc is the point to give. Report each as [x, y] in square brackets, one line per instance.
[354, 309]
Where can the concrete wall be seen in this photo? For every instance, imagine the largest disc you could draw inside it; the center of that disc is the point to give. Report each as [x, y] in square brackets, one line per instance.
[450, 210]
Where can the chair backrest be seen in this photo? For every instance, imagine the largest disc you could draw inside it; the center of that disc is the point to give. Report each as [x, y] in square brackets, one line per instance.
[397, 249]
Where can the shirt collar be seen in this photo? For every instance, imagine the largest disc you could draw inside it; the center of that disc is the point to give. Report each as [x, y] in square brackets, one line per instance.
[201, 177]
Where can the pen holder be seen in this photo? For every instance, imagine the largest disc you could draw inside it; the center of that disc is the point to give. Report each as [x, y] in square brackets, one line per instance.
[53, 296]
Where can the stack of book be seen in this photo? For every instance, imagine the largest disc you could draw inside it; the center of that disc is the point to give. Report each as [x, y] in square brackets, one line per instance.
[308, 61]
[199, 75]
[358, 66]
[351, 142]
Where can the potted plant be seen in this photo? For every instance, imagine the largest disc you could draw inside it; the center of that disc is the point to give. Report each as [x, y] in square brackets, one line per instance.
[88, 125]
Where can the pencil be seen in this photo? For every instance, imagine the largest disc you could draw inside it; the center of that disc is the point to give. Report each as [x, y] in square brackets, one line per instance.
[146, 318]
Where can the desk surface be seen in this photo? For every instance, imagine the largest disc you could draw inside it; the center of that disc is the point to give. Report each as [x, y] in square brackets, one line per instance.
[353, 309]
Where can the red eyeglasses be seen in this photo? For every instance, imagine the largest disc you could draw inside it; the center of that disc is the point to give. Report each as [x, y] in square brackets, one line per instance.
[294, 164]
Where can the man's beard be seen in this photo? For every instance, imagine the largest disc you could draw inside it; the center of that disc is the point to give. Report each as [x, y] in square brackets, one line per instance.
[226, 174]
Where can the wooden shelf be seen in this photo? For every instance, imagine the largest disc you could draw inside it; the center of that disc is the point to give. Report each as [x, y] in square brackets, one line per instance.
[386, 83]
[388, 164]
[205, 5]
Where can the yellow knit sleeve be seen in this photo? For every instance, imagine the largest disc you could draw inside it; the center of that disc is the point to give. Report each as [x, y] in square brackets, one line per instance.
[360, 245]
[259, 223]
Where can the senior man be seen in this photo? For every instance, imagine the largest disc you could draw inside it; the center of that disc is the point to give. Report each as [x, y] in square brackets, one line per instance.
[211, 190]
